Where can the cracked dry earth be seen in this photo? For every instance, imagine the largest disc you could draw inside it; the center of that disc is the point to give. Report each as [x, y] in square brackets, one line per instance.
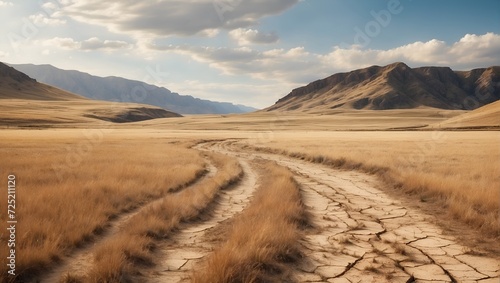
[360, 234]
[189, 246]
[363, 235]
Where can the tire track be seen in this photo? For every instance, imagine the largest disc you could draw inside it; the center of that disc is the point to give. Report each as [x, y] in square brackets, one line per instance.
[363, 235]
[81, 260]
[190, 245]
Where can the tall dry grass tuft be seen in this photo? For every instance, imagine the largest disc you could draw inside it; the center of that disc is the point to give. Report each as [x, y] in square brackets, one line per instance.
[56, 216]
[263, 238]
[120, 258]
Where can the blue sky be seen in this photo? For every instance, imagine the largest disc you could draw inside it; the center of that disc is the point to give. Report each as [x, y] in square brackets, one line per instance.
[250, 52]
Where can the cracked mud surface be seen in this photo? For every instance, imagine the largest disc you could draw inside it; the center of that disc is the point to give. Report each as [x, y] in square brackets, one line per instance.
[359, 234]
[189, 246]
[363, 235]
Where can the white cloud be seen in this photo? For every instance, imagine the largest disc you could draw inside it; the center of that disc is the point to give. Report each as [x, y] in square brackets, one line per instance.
[50, 7]
[173, 17]
[278, 64]
[481, 48]
[42, 20]
[297, 65]
[469, 52]
[96, 43]
[64, 43]
[251, 36]
[212, 54]
[5, 4]
[3, 54]
[93, 43]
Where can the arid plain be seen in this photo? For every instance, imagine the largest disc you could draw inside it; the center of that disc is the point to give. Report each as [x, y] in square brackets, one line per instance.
[256, 197]
[112, 192]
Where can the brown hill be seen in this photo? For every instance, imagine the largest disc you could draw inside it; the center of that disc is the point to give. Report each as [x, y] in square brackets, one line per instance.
[17, 85]
[487, 116]
[396, 86]
[25, 102]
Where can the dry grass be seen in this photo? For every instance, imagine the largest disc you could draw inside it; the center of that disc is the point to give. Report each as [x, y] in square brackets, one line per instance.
[57, 214]
[263, 238]
[121, 257]
[458, 171]
[268, 123]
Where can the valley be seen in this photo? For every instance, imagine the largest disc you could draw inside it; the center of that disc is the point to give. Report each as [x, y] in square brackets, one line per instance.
[126, 192]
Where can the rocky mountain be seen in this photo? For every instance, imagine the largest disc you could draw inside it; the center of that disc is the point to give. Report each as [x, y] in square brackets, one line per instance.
[124, 90]
[396, 86]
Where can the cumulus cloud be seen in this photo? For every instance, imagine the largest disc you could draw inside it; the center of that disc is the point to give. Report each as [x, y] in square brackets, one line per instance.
[5, 4]
[64, 43]
[469, 52]
[173, 17]
[280, 64]
[297, 65]
[482, 48]
[251, 36]
[42, 20]
[93, 43]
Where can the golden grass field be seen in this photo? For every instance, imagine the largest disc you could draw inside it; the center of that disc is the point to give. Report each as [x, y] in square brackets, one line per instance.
[72, 183]
[123, 255]
[458, 170]
[70, 187]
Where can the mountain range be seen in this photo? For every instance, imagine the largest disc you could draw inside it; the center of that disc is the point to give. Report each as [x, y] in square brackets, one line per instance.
[396, 86]
[26, 102]
[125, 90]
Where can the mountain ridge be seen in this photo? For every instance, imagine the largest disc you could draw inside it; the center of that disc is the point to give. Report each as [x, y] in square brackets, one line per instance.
[26, 102]
[113, 88]
[396, 86]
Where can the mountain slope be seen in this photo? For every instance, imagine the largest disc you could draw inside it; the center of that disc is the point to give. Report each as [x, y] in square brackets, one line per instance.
[16, 85]
[120, 89]
[487, 116]
[26, 102]
[396, 86]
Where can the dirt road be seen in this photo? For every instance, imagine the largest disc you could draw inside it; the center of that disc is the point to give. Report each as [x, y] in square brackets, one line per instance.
[81, 260]
[363, 235]
[359, 234]
[186, 248]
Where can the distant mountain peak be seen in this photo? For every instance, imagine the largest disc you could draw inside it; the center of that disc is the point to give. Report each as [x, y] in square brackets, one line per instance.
[397, 65]
[119, 89]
